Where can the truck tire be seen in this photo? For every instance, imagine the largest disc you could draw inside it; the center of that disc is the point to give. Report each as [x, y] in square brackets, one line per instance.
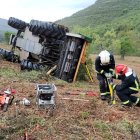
[40, 28]
[22, 64]
[17, 24]
[35, 66]
[47, 29]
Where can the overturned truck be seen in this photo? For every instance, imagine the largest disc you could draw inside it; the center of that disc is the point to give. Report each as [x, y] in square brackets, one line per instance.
[47, 44]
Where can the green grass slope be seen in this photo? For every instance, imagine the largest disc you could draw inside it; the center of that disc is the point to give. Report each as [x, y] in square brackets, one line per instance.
[103, 11]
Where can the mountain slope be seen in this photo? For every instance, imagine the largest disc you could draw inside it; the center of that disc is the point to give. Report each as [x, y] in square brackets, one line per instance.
[4, 27]
[103, 11]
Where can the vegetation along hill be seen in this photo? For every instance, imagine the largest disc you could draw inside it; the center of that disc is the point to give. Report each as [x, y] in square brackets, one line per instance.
[110, 23]
[103, 11]
[4, 27]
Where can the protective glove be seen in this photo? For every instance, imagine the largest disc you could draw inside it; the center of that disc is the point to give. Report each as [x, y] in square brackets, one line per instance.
[108, 75]
[112, 71]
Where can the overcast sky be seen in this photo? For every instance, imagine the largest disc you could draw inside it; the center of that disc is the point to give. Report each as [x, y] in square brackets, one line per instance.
[44, 10]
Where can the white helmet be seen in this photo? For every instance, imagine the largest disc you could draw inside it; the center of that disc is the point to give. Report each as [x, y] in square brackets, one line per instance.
[104, 57]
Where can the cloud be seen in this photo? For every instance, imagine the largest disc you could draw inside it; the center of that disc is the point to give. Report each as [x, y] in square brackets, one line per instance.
[44, 10]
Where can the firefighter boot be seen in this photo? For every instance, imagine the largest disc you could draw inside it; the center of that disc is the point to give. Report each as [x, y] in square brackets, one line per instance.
[103, 97]
[106, 96]
[128, 104]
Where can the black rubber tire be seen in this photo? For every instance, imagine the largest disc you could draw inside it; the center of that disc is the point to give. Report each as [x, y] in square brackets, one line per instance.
[30, 65]
[3, 52]
[35, 66]
[47, 29]
[17, 24]
[22, 65]
[0, 50]
[40, 28]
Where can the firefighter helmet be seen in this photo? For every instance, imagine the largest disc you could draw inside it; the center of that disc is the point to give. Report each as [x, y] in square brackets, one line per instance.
[121, 69]
[104, 57]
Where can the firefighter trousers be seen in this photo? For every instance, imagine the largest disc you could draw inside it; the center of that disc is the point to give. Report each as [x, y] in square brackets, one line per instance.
[103, 85]
[126, 95]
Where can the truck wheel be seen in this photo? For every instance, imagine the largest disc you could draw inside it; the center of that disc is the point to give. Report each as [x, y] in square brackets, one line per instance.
[17, 24]
[40, 28]
[47, 29]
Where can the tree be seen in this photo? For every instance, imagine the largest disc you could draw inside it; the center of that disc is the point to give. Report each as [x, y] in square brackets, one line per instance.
[7, 36]
[125, 47]
[109, 37]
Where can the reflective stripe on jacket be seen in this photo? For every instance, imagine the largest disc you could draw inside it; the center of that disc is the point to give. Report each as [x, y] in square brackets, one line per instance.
[129, 80]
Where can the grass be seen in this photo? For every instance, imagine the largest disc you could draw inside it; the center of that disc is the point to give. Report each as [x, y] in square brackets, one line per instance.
[10, 73]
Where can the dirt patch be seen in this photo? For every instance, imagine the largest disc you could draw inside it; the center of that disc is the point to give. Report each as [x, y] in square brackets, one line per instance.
[76, 116]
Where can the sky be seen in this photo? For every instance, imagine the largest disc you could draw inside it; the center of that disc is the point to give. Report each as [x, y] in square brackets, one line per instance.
[43, 10]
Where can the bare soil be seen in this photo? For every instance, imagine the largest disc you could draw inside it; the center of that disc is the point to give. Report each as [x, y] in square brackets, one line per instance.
[76, 117]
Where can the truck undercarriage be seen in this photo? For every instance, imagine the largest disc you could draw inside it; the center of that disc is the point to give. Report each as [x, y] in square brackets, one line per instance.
[46, 44]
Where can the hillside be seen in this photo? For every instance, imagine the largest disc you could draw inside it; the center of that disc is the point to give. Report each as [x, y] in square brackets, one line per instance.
[109, 23]
[4, 27]
[103, 11]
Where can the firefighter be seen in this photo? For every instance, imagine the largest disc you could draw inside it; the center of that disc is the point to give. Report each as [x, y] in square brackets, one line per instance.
[104, 66]
[129, 85]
